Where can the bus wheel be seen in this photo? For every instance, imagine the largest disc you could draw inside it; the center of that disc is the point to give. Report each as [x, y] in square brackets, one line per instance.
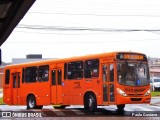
[90, 102]
[31, 102]
[121, 107]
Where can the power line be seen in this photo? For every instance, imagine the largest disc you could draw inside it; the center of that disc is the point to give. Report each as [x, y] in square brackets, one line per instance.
[71, 33]
[64, 28]
[89, 42]
[112, 15]
[58, 33]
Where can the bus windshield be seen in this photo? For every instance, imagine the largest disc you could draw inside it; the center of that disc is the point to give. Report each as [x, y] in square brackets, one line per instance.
[133, 74]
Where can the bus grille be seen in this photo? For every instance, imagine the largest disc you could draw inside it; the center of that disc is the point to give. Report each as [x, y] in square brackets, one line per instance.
[135, 94]
[136, 99]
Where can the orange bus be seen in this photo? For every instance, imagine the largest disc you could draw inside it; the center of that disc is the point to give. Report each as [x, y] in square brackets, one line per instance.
[115, 78]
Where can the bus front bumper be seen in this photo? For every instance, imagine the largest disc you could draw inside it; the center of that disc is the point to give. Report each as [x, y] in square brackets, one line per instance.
[133, 100]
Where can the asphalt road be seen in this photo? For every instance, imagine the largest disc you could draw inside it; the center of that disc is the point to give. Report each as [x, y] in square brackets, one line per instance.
[136, 110]
[131, 111]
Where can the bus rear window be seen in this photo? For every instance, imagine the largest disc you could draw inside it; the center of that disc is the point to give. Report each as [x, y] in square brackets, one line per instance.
[7, 76]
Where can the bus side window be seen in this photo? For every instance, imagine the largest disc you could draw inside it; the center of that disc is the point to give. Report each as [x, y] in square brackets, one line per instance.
[75, 70]
[23, 75]
[18, 80]
[53, 77]
[111, 73]
[31, 74]
[14, 81]
[104, 73]
[7, 76]
[65, 71]
[91, 68]
[43, 73]
[59, 77]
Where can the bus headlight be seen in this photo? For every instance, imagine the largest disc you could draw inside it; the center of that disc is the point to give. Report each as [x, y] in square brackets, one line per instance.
[121, 92]
[147, 93]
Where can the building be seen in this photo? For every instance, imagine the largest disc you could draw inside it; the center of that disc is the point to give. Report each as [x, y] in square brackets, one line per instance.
[154, 70]
[154, 67]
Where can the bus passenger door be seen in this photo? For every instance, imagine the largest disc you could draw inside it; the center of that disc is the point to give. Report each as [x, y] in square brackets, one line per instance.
[56, 88]
[108, 83]
[16, 86]
[112, 83]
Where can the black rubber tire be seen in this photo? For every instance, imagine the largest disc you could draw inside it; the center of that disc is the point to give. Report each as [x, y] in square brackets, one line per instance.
[90, 102]
[121, 107]
[31, 102]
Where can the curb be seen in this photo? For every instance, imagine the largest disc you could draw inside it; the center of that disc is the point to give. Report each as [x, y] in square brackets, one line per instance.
[156, 97]
[154, 104]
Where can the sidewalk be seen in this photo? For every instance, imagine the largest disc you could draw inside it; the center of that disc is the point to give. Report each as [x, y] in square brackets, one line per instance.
[156, 102]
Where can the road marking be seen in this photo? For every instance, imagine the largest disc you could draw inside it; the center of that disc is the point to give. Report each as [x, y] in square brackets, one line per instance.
[78, 112]
[58, 112]
[158, 107]
[127, 109]
[142, 108]
[75, 106]
[39, 110]
[111, 108]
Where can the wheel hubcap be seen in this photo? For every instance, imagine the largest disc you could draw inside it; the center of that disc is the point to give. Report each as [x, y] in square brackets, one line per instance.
[31, 103]
[90, 102]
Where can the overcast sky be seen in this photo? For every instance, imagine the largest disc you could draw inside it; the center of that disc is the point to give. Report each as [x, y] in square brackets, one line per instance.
[64, 28]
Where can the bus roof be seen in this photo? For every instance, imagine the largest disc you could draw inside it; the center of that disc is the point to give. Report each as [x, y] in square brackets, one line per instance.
[74, 58]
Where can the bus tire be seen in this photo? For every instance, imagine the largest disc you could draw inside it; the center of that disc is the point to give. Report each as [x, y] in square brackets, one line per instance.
[121, 107]
[90, 102]
[31, 102]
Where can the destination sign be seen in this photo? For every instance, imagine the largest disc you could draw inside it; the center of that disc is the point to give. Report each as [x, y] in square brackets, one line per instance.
[132, 56]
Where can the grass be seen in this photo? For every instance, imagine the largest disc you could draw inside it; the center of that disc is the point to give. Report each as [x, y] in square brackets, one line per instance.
[155, 94]
[1, 101]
